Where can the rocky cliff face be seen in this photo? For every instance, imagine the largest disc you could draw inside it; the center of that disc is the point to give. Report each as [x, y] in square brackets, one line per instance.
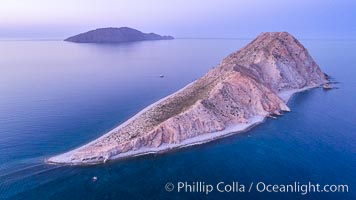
[115, 35]
[245, 84]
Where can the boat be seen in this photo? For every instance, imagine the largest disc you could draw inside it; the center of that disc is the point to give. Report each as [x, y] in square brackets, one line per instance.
[327, 86]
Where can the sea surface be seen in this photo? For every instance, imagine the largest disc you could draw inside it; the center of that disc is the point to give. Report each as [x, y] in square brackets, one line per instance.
[55, 96]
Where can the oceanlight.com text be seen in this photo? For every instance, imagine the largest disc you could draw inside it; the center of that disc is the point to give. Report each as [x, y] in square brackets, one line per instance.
[261, 187]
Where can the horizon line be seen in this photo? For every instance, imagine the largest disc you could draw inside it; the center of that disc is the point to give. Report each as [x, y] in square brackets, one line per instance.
[178, 38]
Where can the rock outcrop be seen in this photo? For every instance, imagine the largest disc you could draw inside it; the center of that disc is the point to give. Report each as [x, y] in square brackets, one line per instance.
[246, 84]
[115, 35]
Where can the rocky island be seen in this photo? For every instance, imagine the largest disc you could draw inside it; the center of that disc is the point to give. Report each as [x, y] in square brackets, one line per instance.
[246, 87]
[115, 35]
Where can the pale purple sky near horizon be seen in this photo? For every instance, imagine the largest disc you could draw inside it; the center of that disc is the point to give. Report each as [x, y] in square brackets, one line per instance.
[181, 18]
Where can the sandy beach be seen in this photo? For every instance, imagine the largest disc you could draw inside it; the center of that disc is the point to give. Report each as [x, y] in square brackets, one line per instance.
[65, 157]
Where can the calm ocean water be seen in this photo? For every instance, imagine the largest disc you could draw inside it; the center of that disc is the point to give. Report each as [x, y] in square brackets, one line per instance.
[55, 96]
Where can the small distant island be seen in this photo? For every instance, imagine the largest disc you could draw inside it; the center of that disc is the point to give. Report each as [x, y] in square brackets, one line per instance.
[115, 35]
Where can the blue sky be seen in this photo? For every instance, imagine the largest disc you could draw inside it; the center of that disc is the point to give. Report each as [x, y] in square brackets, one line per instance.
[180, 18]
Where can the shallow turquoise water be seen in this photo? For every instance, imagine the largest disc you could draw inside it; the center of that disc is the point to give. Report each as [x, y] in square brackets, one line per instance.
[55, 96]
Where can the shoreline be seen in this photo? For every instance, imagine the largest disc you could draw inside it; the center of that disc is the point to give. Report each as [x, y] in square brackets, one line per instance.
[201, 139]
[65, 158]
